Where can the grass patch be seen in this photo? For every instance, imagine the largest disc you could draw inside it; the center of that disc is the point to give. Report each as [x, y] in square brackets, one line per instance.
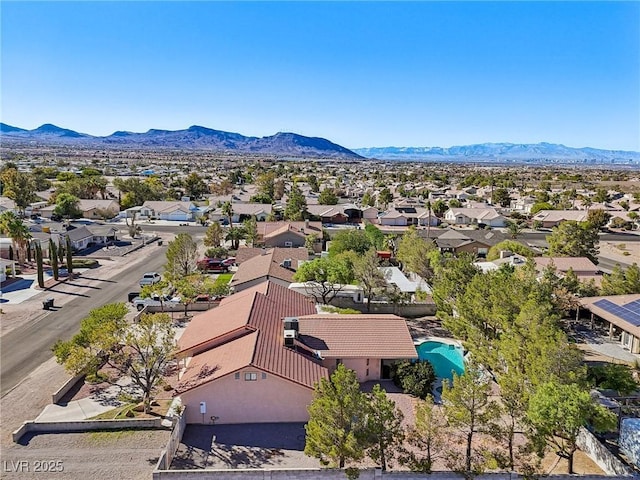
[104, 436]
[121, 412]
[223, 279]
[345, 311]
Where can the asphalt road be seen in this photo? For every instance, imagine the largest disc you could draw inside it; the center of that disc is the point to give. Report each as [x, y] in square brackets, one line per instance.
[28, 346]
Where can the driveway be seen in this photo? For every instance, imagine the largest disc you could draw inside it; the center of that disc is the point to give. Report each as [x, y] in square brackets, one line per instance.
[257, 445]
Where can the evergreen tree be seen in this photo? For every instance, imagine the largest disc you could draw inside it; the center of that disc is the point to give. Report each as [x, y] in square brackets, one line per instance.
[69, 251]
[53, 258]
[383, 427]
[337, 420]
[39, 265]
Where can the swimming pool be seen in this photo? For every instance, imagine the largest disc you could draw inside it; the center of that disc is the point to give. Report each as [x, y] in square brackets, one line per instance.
[445, 358]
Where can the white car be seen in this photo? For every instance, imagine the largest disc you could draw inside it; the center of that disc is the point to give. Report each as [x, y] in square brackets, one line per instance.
[150, 278]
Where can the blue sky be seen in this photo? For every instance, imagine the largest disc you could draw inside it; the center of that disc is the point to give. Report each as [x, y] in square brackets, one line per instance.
[361, 74]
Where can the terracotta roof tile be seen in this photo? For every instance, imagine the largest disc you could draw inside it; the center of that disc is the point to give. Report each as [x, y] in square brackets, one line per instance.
[218, 362]
[269, 264]
[354, 336]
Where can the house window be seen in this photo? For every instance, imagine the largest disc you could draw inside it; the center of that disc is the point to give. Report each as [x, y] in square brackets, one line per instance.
[250, 377]
[264, 376]
[288, 244]
[237, 375]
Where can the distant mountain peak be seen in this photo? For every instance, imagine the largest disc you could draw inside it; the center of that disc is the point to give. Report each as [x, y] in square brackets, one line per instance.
[195, 137]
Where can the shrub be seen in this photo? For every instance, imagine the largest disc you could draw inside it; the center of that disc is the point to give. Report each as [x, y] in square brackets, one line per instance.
[415, 378]
[613, 376]
[84, 263]
[216, 252]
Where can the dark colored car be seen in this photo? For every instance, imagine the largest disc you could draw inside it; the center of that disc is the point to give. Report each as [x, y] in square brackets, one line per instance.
[213, 265]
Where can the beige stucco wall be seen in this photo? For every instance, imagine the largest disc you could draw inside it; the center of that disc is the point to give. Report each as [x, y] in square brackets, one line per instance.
[273, 399]
[364, 371]
[279, 241]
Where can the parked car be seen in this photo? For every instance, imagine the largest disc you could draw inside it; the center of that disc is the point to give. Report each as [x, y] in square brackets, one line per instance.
[213, 265]
[150, 278]
[229, 261]
[166, 302]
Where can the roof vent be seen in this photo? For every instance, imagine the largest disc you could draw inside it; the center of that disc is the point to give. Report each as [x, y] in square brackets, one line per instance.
[286, 263]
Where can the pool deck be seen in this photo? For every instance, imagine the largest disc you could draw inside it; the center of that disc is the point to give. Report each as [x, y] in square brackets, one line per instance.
[448, 341]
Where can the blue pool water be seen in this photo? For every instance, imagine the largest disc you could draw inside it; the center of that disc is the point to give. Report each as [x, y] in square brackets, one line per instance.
[445, 358]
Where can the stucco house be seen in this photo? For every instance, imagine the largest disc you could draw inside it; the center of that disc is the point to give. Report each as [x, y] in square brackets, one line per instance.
[584, 268]
[475, 216]
[289, 234]
[7, 204]
[277, 265]
[257, 357]
[553, 218]
[242, 211]
[92, 209]
[169, 210]
[401, 216]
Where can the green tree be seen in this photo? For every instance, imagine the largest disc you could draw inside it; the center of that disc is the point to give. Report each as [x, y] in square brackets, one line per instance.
[234, 235]
[598, 218]
[17, 231]
[53, 257]
[266, 185]
[384, 430]
[324, 278]
[613, 376]
[468, 408]
[601, 195]
[182, 256]
[369, 276]
[455, 203]
[39, 266]
[367, 200]
[336, 420]
[312, 180]
[451, 276]
[67, 206]
[415, 378]
[500, 196]
[426, 436]
[414, 253]
[439, 207]
[18, 186]
[385, 197]
[514, 228]
[509, 246]
[574, 239]
[376, 237]
[100, 332]
[296, 207]
[328, 197]
[194, 186]
[621, 282]
[536, 207]
[557, 412]
[250, 229]
[355, 240]
[213, 235]
[69, 252]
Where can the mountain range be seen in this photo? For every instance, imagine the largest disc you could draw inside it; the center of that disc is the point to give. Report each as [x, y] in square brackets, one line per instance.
[192, 138]
[298, 146]
[503, 152]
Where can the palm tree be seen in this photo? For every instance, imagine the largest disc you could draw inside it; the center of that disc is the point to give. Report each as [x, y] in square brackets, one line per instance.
[514, 228]
[19, 233]
[227, 210]
[234, 235]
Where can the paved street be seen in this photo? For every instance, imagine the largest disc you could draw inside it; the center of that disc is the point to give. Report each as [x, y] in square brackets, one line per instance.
[29, 345]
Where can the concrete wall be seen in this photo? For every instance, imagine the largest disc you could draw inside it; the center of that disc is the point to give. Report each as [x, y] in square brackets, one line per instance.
[366, 368]
[601, 455]
[166, 456]
[69, 384]
[270, 399]
[85, 426]
[406, 310]
[335, 474]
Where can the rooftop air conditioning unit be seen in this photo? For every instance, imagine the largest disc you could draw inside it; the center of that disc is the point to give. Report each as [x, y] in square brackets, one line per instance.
[290, 324]
[290, 337]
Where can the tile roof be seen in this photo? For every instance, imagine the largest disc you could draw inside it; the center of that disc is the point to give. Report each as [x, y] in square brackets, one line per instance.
[269, 264]
[251, 322]
[563, 264]
[266, 228]
[357, 336]
[218, 362]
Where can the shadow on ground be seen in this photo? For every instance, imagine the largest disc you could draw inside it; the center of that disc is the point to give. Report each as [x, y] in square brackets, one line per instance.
[240, 446]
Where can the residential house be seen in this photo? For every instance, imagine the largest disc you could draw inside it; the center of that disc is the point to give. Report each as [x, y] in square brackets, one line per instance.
[243, 211]
[92, 209]
[553, 218]
[475, 216]
[257, 357]
[477, 242]
[621, 317]
[584, 268]
[289, 234]
[7, 204]
[277, 265]
[169, 210]
[85, 236]
[408, 215]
